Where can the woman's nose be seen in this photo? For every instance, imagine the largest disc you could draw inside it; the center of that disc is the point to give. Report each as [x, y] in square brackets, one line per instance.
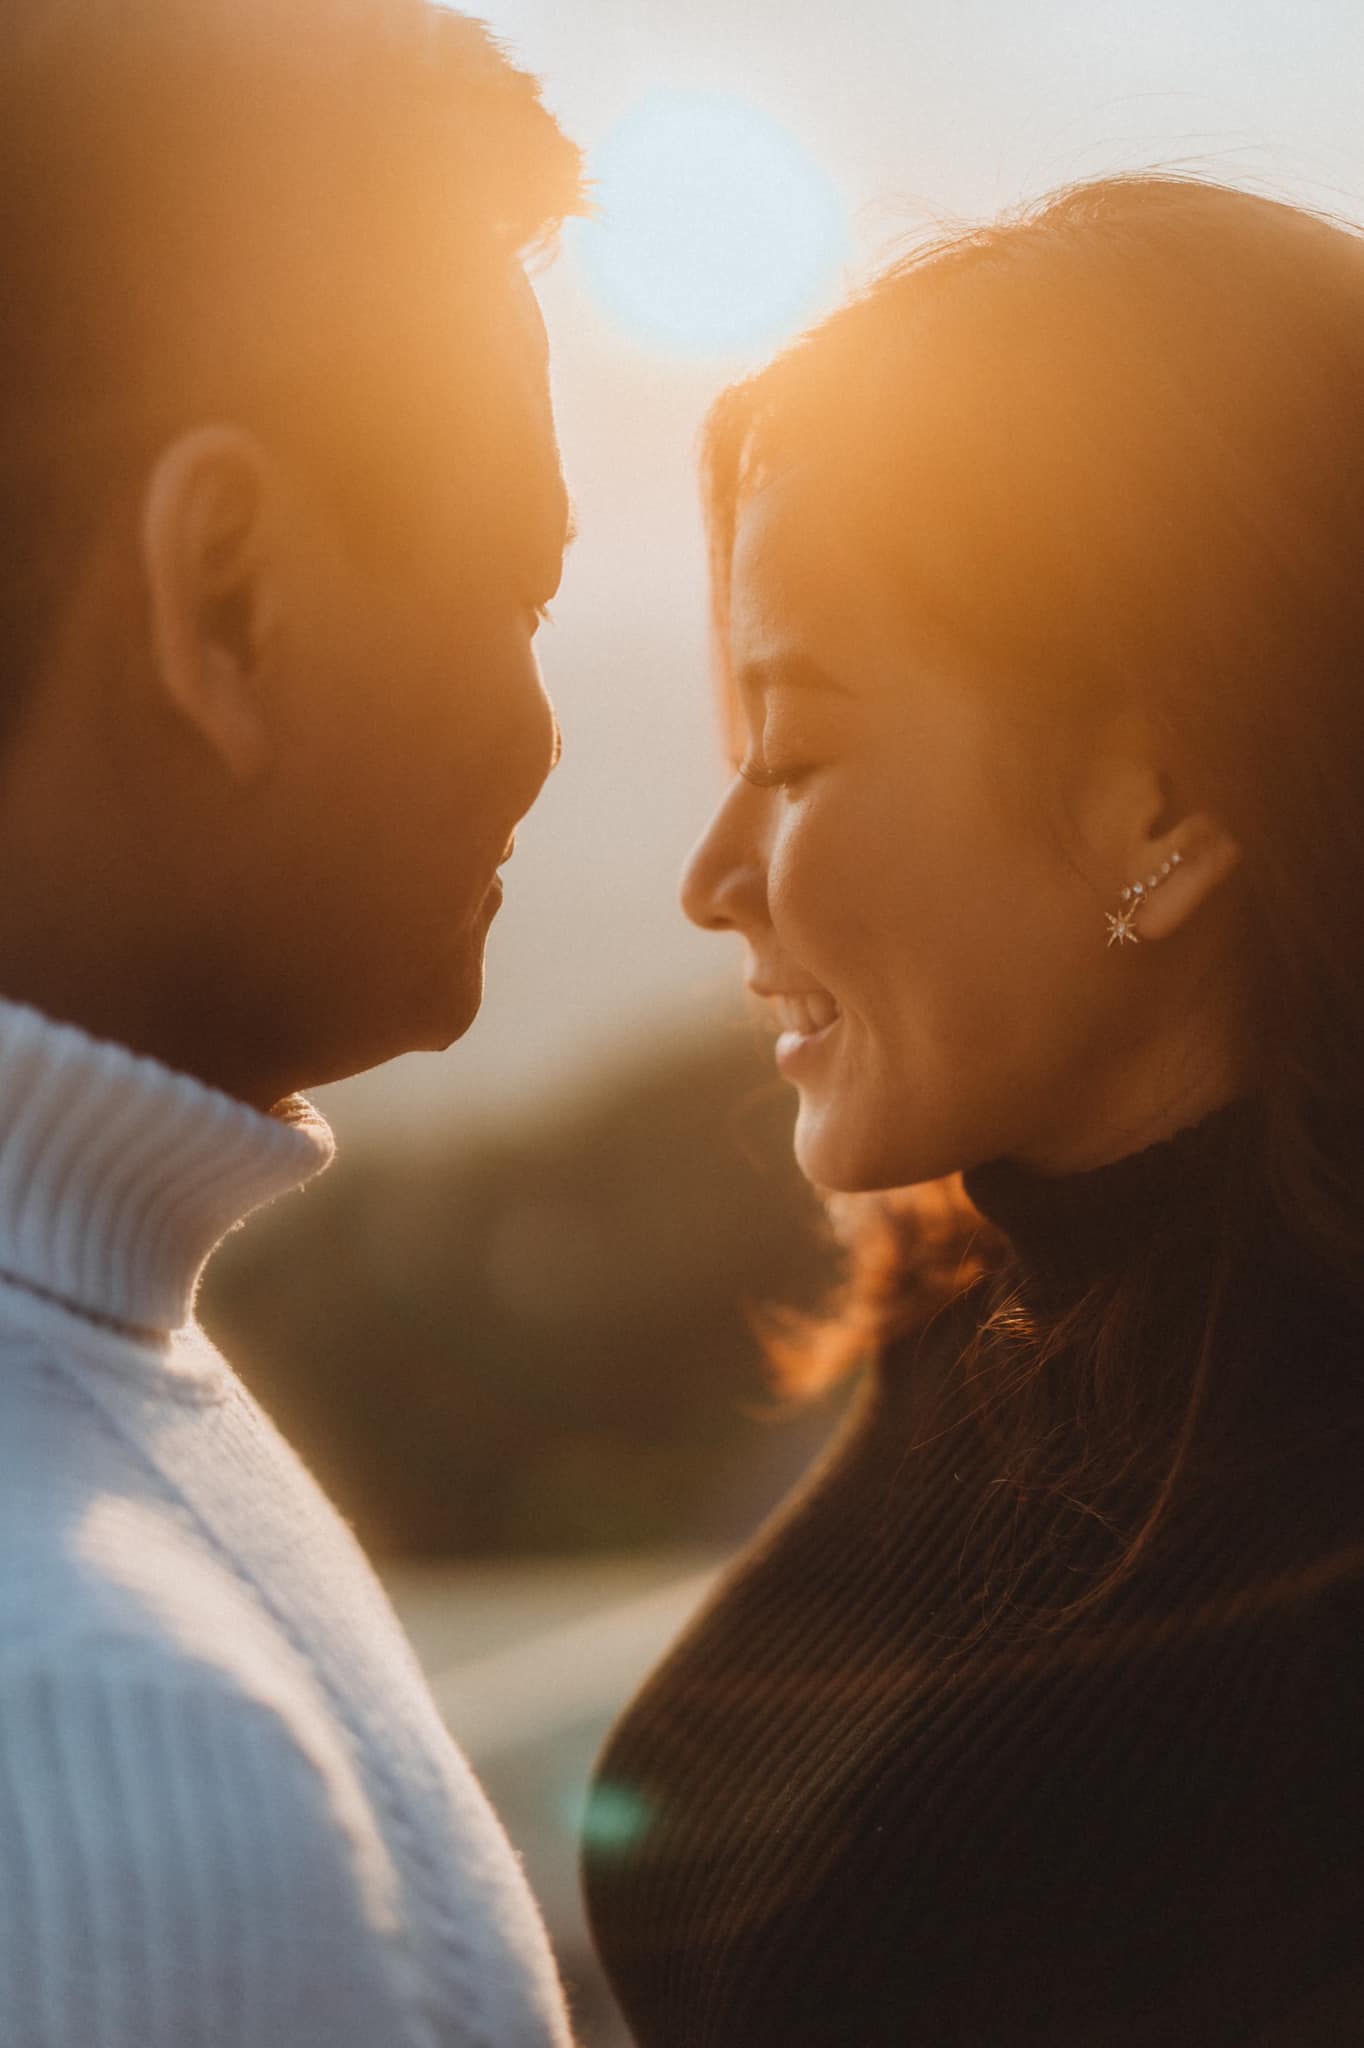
[724, 883]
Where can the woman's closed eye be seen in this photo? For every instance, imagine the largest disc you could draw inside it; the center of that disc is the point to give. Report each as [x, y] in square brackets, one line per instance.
[770, 775]
[782, 745]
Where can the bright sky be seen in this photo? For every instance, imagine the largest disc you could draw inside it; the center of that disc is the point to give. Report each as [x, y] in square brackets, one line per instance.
[816, 136]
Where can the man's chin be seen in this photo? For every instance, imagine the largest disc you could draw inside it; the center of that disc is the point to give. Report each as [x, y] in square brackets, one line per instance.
[451, 1022]
[456, 1008]
[449, 1016]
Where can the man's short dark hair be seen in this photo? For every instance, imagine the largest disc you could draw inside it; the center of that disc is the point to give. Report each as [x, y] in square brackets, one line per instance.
[291, 212]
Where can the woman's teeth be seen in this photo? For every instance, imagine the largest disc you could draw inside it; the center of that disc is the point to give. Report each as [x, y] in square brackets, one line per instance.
[805, 1013]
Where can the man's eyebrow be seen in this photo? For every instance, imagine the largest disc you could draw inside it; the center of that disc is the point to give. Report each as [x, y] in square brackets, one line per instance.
[788, 672]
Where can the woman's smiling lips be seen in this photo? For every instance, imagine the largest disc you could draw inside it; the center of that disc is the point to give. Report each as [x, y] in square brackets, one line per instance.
[805, 1017]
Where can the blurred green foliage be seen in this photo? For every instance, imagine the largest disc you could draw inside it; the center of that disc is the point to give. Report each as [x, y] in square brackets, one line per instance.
[543, 1344]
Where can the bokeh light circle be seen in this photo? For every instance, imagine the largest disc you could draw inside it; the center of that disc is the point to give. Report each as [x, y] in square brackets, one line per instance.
[717, 232]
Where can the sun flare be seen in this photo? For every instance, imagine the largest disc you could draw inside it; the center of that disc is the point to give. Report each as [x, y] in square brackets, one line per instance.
[717, 232]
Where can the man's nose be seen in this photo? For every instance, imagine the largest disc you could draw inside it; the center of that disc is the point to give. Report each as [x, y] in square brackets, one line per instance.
[724, 883]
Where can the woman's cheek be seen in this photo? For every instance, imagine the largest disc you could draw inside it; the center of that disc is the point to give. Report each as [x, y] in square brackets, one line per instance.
[803, 895]
[814, 906]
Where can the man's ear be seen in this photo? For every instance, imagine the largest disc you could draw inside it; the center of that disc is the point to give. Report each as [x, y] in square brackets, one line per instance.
[204, 535]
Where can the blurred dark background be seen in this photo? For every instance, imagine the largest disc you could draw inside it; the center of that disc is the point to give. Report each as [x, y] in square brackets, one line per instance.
[543, 1345]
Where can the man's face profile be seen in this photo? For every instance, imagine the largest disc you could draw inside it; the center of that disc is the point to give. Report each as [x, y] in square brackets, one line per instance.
[403, 727]
[422, 733]
[282, 396]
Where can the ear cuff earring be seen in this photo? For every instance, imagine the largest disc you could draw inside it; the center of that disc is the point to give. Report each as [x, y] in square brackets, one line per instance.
[1120, 927]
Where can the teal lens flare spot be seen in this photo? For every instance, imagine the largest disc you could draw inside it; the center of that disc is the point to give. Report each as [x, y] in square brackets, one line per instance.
[614, 1818]
[718, 233]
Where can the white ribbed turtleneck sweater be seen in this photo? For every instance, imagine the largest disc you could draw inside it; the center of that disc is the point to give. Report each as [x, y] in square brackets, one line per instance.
[229, 1814]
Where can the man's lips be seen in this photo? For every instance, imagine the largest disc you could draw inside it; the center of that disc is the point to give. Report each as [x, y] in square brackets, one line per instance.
[496, 890]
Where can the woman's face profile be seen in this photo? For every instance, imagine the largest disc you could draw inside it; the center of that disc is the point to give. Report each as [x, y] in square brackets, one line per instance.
[927, 939]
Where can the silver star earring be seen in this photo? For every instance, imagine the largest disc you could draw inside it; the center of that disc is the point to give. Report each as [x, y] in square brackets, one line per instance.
[1121, 931]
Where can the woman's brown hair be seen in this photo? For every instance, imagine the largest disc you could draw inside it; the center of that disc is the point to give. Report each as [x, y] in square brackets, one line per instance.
[1112, 450]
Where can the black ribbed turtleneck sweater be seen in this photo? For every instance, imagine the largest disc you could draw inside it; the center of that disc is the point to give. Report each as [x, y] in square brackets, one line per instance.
[841, 1813]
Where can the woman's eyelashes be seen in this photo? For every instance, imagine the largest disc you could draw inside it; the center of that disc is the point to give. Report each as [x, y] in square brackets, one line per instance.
[775, 761]
[778, 749]
[763, 775]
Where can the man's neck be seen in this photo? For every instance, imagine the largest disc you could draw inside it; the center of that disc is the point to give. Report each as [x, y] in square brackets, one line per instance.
[164, 1017]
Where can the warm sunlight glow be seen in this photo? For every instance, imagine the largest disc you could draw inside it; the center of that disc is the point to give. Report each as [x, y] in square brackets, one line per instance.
[718, 233]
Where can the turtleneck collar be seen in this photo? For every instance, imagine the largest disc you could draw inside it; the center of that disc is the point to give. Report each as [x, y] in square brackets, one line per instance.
[1069, 1230]
[118, 1177]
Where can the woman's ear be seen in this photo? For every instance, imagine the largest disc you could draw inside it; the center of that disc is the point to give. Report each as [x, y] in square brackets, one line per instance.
[207, 560]
[1139, 829]
[1179, 872]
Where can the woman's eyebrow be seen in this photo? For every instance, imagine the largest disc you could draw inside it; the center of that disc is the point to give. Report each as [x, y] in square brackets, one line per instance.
[788, 672]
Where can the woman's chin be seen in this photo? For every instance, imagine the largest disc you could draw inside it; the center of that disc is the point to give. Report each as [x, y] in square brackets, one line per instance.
[833, 1157]
[846, 1156]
